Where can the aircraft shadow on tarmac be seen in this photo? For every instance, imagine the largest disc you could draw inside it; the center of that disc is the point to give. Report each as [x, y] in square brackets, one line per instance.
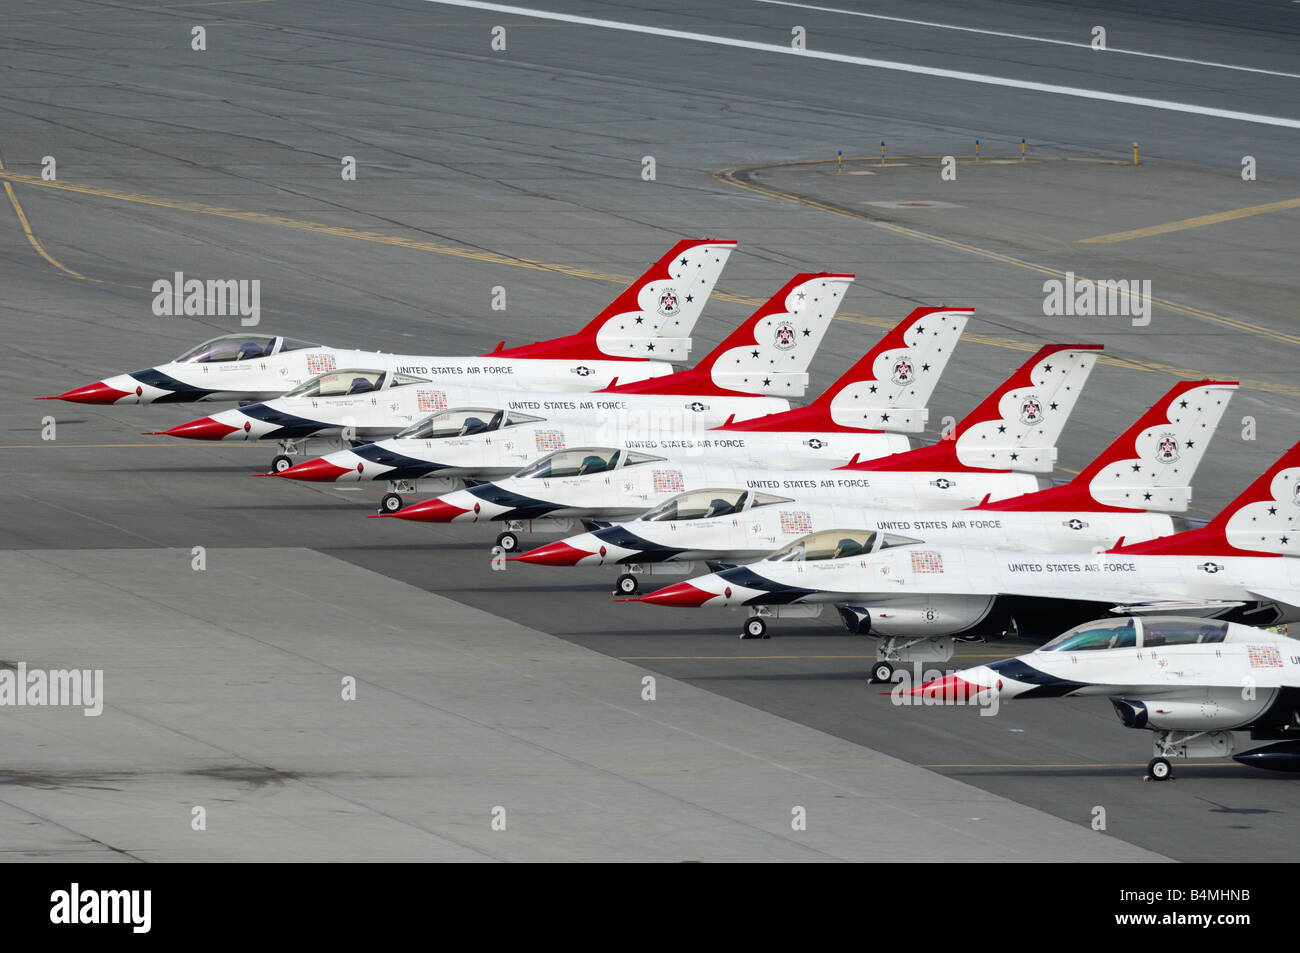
[779, 677]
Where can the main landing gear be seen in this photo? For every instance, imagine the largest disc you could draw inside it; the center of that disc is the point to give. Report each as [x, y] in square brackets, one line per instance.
[627, 585]
[508, 541]
[755, 628]
[390, 503]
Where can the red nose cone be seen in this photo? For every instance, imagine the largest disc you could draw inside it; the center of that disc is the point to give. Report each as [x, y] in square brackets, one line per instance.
[98, 393]
[430, 511]
[315, 471]
[949, 688]
[683, 594]
[205, 428]
[553, 554]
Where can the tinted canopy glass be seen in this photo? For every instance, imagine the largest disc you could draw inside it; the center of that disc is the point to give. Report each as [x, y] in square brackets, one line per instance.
[1157, 632]
[1104, 634]
[698, 504]
[568, 463]
[828, 544]
[457, 422]
[230, 347]
[340, 384]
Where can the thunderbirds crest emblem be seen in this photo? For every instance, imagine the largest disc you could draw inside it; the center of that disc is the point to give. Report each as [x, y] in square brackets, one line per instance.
[784, 336]
[903, 371]
[669, 303]
[1167, 448]
[1031, 411]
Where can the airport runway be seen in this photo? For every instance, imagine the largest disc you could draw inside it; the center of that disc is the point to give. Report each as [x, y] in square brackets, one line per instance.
[523, 169]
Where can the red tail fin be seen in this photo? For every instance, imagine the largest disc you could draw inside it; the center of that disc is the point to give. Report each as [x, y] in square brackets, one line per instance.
[770, 352]
[1149, 467]
[1017, 426]
[1262, 521]
[888, 388]
[653, 319]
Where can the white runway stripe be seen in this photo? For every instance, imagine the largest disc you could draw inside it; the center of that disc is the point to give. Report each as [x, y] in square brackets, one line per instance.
[1035, 39]
[982, 78]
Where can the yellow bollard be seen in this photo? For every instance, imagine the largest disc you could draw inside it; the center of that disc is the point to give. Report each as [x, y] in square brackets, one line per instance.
[1022, 148]
[882, 151]
[1135, 153]
[977, 151]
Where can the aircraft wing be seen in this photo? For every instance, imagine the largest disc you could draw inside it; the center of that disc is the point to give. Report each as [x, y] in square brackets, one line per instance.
[1283, 594]
[1193, 607]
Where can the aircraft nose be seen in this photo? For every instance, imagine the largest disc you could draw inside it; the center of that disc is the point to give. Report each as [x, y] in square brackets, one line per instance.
[319, 470]
[97, 393]
[953, 688]
[553, 554]
[205, 428]
[430, 511]
[681, 595]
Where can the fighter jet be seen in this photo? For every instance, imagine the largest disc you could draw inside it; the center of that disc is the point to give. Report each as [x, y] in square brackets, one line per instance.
[1192, 682]
[1016, 427]
[645, 328]
[888, 389]
[768, 354]
[913, 597]
[1081, 515]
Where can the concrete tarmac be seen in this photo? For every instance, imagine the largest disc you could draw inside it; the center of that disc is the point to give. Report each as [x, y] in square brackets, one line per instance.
[522, 169]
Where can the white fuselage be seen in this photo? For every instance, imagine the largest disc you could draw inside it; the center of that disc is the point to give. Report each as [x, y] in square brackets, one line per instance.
[1208, 585]
[266, 378]
[499, 453]
[762, 530]
[634, 489]
[383, 413]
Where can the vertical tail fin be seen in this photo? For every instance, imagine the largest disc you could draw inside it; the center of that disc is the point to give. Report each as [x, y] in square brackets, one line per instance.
[1263, 521]
[1151, 466]
[892, 385]
[888, 388]
[770, 352]
[1017, 426]
[653, 319]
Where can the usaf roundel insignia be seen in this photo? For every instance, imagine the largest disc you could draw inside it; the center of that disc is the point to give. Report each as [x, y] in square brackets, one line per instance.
[1209, 567]
[1031, 411]
[669, 303]
[1167, 448]
[903, 371]
[784, 336]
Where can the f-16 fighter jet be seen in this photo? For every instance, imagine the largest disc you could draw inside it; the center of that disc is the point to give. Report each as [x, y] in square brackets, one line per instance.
[913, 597]
[1092, 510]
[1192, 682]
[768, 354]
[887, 389]
[648, 326]
[995, 453]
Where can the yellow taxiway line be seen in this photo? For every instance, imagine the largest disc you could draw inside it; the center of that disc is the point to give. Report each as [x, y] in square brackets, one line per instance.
[1200, 221]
